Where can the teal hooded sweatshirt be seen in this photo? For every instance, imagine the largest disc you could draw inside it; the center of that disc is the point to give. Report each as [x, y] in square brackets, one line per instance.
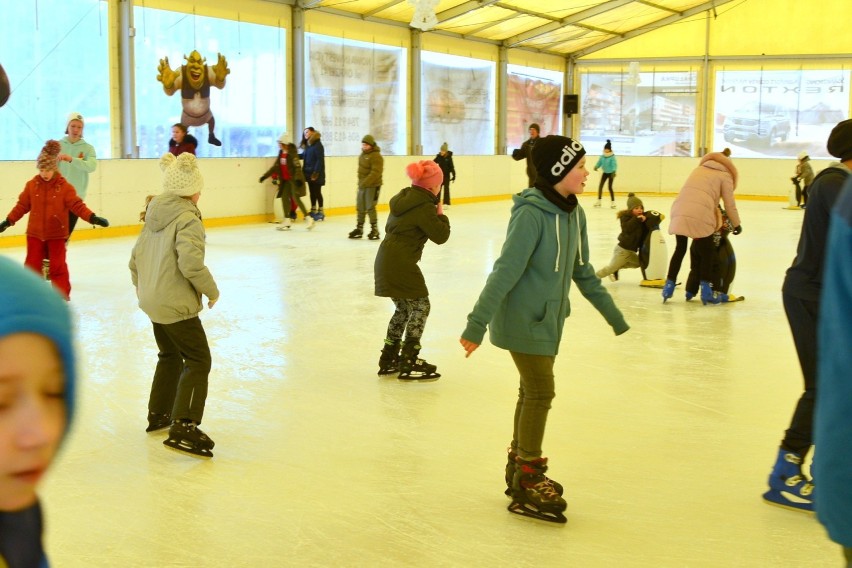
[525, 299]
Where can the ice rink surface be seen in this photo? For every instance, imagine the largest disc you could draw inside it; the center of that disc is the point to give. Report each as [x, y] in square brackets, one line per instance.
[663, 437]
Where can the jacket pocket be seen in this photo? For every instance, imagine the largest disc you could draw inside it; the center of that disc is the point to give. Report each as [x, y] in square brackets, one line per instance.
[545, 329]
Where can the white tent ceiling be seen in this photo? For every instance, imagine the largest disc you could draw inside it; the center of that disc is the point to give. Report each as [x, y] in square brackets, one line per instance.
[561, 27]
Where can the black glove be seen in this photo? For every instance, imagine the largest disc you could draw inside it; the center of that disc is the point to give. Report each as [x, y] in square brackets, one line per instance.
[261, 179]
[5, 224]
[517, 154]
[100, 221]
[738, 229]
[453, 178]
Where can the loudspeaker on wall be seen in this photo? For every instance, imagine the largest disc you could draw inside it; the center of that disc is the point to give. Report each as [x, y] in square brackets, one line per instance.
[571, 104]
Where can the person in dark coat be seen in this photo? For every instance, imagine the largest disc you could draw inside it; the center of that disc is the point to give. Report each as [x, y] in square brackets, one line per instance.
[801, 294]
[416, 215]
[633, 233]
[525, 152]
[444, 159]
[313, 165]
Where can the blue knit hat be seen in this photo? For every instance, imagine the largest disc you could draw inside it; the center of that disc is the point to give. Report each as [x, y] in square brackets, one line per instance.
[28, 304]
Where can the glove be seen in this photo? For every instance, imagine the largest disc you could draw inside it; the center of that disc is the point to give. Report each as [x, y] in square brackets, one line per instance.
[453, 178]
[5, 224]
[517, 154]
[738, 229]
[100, 221]
[261, 179]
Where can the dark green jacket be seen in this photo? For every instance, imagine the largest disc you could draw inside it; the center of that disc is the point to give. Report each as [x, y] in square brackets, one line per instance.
[413, 220]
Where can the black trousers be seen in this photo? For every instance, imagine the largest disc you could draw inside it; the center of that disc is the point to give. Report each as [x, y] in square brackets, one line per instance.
[179, 387]
[802, 316]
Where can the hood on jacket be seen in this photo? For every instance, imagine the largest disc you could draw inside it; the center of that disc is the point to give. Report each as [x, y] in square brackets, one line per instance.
[719, 161]
[314, 138]
[533, 197]
[411, 198]
[165, 208]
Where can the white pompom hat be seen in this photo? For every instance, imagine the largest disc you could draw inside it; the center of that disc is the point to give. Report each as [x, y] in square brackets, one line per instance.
[181, 175]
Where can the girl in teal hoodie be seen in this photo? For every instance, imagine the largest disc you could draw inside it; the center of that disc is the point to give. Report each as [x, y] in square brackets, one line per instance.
[525, 303]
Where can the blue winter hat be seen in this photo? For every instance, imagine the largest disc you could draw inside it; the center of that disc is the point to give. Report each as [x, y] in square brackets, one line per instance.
[28, 304]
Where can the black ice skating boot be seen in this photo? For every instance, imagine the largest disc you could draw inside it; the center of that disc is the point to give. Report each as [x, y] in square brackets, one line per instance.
[510, 474]
[186, 436]
[533, 495]
[389, 360]
[374, 233]
[412, 368]
[158, 421]
[358, 232]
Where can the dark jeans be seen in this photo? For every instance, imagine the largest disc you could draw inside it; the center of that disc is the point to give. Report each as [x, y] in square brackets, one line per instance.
[802, 316]
[179, 387]
[446, 192]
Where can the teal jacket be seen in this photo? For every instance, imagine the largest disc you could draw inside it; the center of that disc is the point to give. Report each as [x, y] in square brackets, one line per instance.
[525, 299]
[83, 162]
[607, 162]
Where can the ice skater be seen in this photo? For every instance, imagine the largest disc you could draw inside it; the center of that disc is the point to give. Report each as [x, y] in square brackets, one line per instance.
[49, 199]
[801, 291]
[609, 164]
[416, 216]
[525, 303]
[633, 233]
[803, 178]
[168, 271]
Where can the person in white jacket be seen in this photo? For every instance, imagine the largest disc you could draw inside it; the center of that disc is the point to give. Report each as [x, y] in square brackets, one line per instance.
[168, 271]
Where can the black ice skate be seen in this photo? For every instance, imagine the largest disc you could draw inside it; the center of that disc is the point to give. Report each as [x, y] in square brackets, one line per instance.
[389, 359]
[374, 234]
[510, 475]
[533, 495]
[158, 421]
[186, 436]
[412, 368]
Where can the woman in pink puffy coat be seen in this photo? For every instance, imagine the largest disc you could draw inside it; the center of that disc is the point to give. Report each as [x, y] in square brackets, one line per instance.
[694, 216]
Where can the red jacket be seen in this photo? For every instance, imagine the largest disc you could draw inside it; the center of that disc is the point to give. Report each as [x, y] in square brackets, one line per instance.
[48, 203]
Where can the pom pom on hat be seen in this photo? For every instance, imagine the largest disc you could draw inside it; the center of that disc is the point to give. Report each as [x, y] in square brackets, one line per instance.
[840, 141]
[49, 156]
[181, 176]
[608, 145]
[554, 156]
[633, 201]
[425, 173]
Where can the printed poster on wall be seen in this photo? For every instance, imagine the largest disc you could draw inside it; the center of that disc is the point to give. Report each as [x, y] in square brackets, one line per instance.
[532, 100]
[779, 113]
[642, 113]
[458, 105]
[353, 89]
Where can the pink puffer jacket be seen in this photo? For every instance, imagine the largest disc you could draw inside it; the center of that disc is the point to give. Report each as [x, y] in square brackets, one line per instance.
[694, 209]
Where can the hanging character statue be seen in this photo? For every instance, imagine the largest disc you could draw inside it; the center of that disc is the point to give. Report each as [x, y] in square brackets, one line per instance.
[194, 80]
[5, 89]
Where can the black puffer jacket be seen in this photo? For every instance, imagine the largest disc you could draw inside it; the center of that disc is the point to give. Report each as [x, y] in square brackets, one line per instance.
[633, 231]
[413, 220]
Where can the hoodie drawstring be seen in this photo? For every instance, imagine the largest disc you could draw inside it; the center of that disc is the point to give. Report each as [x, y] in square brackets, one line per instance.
[558, 244]
[579, 244]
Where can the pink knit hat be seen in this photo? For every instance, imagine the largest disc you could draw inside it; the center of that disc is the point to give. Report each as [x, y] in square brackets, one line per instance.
[425, 173]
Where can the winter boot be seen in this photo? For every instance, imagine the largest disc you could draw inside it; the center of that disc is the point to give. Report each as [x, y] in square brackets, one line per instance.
[374, 233]
[510, 474]
[668, 290]
[788, 487]
[710, 296]
[357, 233]
[533, 494]
[412, 368]
[598, 203]
[389, 360]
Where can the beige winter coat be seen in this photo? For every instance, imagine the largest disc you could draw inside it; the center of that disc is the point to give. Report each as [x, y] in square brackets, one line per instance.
[694, 209]
[167, 263]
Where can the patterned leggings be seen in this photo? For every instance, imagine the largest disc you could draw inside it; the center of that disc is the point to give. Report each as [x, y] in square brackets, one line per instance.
[409, 318]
